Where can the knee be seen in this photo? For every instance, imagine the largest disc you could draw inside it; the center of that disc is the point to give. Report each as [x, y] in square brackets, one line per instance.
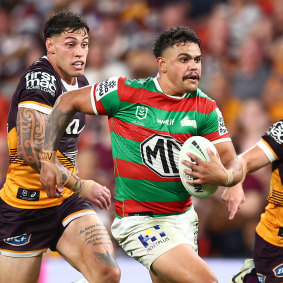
[111, 274]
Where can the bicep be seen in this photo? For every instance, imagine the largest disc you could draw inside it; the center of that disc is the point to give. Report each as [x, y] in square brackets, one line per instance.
[30, 135]
[78, 100]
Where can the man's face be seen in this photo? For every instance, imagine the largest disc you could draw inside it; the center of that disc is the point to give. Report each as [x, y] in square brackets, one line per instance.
[182, 68]
[67, 53]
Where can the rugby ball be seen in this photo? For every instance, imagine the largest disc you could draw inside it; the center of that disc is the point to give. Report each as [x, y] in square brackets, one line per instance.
[198, 146]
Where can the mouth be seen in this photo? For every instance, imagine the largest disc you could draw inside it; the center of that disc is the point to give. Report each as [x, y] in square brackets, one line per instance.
[79, 65]
[192, 77]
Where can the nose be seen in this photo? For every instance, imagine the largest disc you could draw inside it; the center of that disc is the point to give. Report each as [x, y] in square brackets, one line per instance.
[80, 51]
[193, 65]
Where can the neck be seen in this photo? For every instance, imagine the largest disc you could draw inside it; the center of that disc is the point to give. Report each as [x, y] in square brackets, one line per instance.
[69, 80]
[168, 88]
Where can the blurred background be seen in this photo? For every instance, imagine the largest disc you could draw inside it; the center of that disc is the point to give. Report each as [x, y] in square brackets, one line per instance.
[242, 46]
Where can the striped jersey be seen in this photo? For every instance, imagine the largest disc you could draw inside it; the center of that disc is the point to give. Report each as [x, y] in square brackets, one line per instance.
[38, 89]
[147, 131]
[272, 219]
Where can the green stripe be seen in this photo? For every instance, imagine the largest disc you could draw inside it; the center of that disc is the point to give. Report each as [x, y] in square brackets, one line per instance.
[125, 149]
[149, 191]
[196, 152]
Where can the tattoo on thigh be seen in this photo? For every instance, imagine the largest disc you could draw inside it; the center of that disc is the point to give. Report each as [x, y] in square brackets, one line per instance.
[107, 258]
[96, 235]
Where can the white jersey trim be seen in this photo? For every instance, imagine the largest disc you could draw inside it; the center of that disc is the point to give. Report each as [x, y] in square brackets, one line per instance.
[267, 151]
[77, 215]
[22, 254]
[70, 87]
[37, 107]
[92, 100]
[160, 89]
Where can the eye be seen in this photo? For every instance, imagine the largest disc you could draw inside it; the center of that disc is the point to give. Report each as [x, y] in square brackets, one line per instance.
[85, 44]
[198, 60]
[184, 59]
[70, 44]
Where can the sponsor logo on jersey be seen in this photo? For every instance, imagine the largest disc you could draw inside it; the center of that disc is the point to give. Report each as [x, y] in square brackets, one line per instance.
[278, 270]
[276, 132]
[221, 124]
[74, 127]
[42, 81]
[261, 278]
[105, 87]
[141, 112]
[167, 122]
[153, 237]
[186, 122]
[160, 154]
[29, 195]
[20, 240]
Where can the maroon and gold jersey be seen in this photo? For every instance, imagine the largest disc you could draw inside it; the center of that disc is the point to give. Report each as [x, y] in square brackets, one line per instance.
[271, 224]
[38, 89]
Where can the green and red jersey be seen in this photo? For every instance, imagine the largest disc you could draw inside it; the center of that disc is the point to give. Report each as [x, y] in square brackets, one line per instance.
[147, 130]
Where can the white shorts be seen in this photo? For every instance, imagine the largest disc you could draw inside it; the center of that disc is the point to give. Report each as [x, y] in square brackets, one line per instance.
[145, 238]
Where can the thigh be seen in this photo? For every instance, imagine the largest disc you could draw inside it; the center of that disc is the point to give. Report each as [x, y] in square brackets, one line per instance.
[20, 269]
[86, 245]
[145, 238]
[268, 261]
[188, 266]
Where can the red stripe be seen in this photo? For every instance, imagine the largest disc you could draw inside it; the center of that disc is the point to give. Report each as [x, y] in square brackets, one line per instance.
[160, 100]
[139, 133]
[133, 206]
[138, 171]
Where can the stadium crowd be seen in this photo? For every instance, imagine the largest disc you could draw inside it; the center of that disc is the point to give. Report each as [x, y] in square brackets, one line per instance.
[242, 45]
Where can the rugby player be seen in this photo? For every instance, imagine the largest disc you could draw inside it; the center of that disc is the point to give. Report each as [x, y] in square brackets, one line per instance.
[30, 221]
[267, 263]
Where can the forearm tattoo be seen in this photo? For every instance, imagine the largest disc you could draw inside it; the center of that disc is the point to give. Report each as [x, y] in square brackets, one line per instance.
[97, 235]
[57, 123]
[30, 135]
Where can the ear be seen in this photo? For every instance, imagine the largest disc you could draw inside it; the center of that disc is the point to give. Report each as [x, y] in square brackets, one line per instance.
[162, 64]
[49, 43]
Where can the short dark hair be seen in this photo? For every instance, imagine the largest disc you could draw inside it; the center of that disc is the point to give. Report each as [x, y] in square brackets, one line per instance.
[64, 20]
[172, 36]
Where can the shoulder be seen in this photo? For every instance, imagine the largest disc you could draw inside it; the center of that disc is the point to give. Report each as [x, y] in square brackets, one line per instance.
[201, 94]
[140, 83]
[276, 132]
[42, 77]
[82, 81]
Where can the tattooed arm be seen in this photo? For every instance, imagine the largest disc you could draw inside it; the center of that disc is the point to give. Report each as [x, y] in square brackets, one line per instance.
[31, 126]
[64, 109]
[30, 135]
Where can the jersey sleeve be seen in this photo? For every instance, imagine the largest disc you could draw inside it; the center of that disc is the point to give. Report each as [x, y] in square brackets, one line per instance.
[105, 96]
[39, 90]
[271, 142]
[214, 127]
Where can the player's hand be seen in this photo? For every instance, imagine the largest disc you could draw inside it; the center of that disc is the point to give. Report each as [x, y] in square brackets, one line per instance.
[234, 198]
[206, 172]
[50, 178]
[96, 194]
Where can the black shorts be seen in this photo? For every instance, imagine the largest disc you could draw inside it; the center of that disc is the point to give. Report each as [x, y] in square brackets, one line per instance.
[268, 261]
[29, 232]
